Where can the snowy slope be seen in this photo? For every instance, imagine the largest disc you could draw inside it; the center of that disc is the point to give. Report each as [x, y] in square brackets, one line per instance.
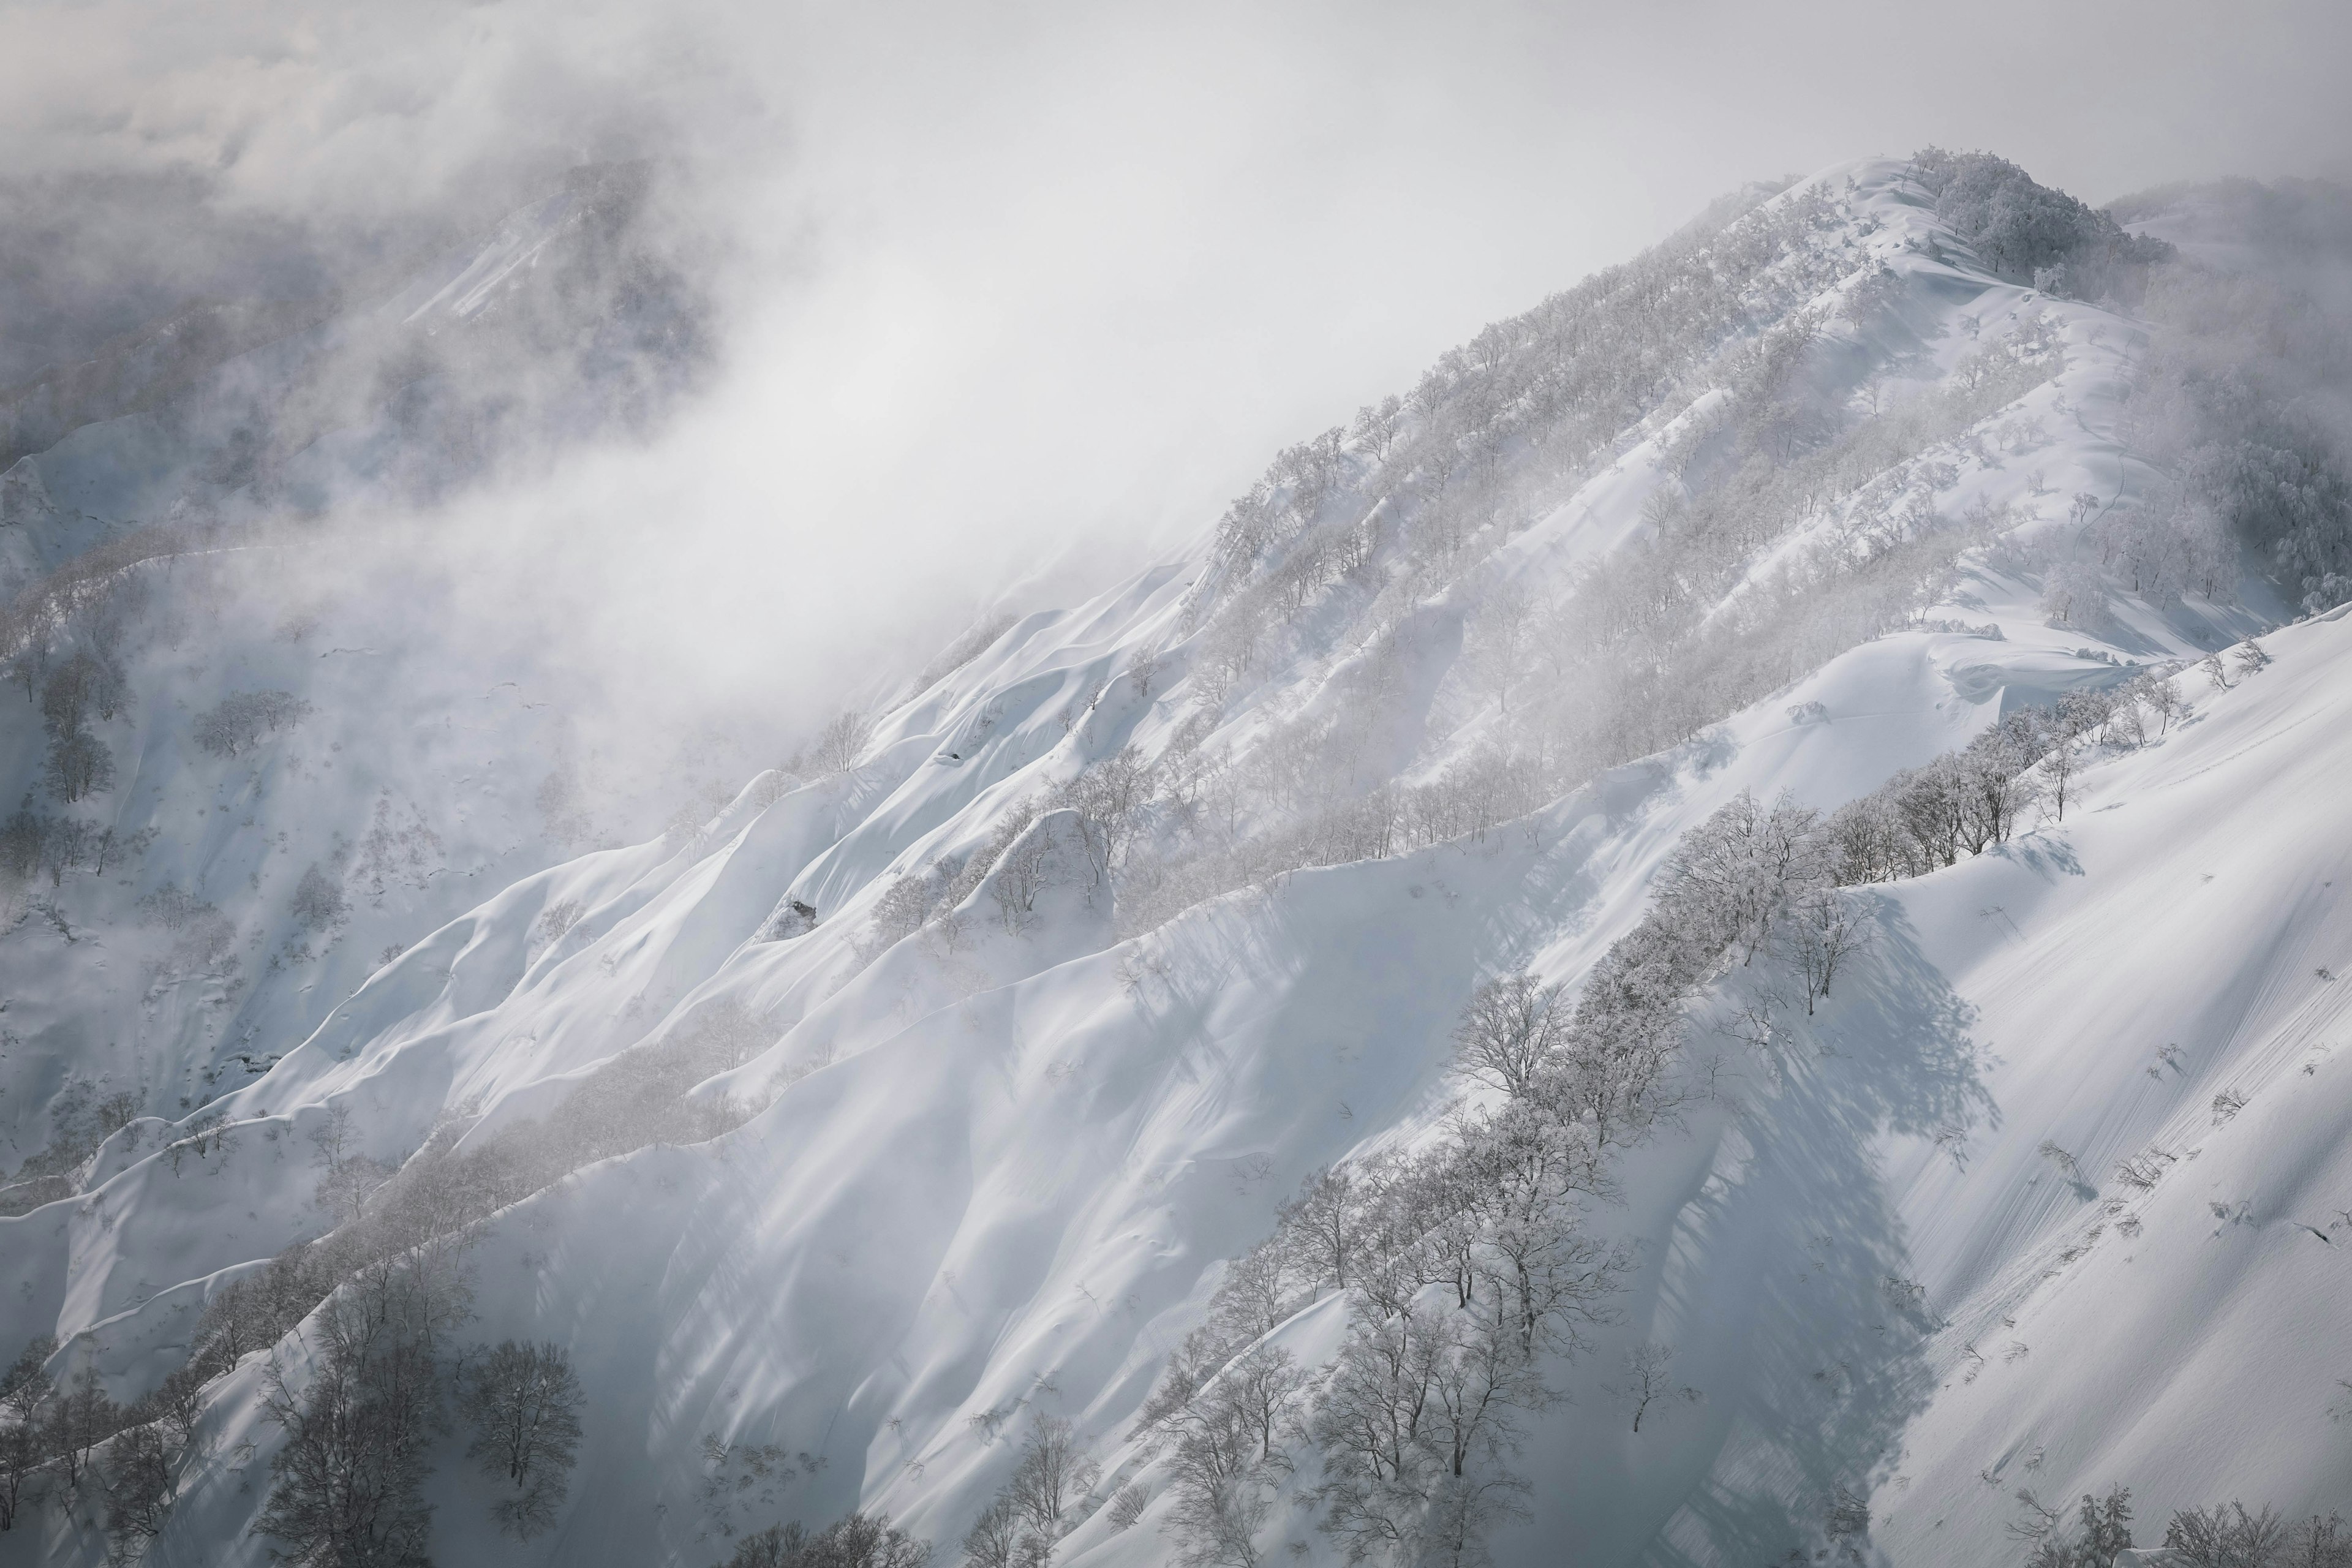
[996, 1170]
[432, 761]
[2176, 1340]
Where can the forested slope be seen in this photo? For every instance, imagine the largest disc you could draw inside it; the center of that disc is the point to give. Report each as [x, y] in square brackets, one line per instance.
[1708, 939]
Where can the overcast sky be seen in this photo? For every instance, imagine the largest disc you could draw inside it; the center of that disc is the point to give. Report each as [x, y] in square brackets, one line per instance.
[1001, 276]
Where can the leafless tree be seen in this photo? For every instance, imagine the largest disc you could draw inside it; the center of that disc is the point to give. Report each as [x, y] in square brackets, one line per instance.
[2059, 767]
[2226, 1537]
[347, 1175]
[242, 718]
[359, 1427]
[1055, 1471]
[79, 686]
[1109, 799]
[1020, 874]
[1375, 426]
[27, 1392]
[79, 766]
[1226, 1459]
[1826, 932]
[140, 1465]
[843, 741]
[1413, 1425]
[82, 1417]
[1509, 1032]
[1649, 1380]
[524, 1404]
[1499, 636]
[319, 901]
[858, 1540]
[998, 1538]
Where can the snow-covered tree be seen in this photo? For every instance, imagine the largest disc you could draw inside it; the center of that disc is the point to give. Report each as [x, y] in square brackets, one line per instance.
[1509, 1033]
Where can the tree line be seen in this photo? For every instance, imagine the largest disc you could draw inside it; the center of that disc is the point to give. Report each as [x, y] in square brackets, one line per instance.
[2224, 1536]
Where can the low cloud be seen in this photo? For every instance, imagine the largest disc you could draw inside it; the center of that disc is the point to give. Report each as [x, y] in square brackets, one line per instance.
[997, 288]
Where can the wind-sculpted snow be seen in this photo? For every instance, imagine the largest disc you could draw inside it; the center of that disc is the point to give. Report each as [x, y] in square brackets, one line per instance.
[1001, 1041]
[2156, 984]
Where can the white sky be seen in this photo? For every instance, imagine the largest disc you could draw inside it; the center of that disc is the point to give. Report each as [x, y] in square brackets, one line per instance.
[1005, 276]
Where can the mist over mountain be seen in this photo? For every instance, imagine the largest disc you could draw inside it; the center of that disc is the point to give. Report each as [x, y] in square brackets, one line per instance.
[666, 898]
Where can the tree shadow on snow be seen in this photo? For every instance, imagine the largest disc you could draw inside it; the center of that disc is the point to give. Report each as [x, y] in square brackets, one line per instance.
[1798, 1283]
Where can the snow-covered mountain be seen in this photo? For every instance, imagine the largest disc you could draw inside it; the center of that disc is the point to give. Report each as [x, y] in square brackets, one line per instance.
[929, 1096]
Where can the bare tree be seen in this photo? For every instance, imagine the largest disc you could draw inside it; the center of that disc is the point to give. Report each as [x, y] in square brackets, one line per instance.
[2318, 1543]
[79, 766]
[1827, 932]
[1730, 879]
[26, 1392]
[1649, 1380]
[524, 1404]
[1261, 1387]
[257, 1312]
[242, 718]
[78, 687]
[1375, 426]
[2226, 1537]
[141, 1486]
[81, 1419]
[1109, 799]
[319, 901]
[2059, 767]
[347, 1175]
[1225, 1459]
[1499, 634]
[843, 741]
[1054, 1473]
[1413, 1425]
[2100, 1531]
[2164, 698]
[1324, 1227]
[349, 1478]
[1510, 1030]
[858, 1540]
[997, 1538]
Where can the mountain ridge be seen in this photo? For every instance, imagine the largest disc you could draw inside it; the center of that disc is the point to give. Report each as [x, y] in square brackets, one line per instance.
[1128, 925]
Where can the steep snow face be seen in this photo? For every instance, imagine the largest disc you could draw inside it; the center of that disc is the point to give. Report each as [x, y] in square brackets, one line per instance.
[1004, 1128]
[303, 780]
[2155, 986]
